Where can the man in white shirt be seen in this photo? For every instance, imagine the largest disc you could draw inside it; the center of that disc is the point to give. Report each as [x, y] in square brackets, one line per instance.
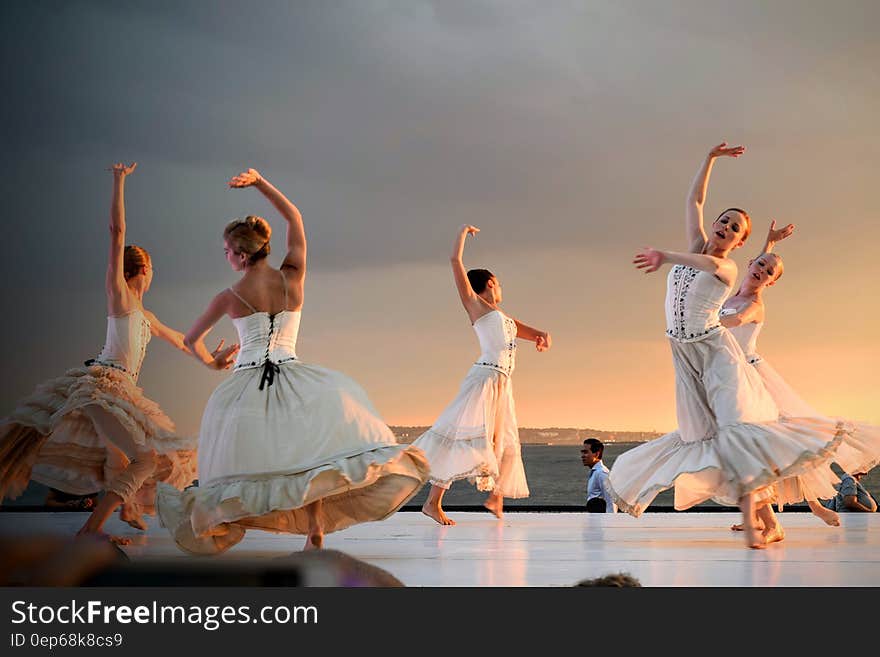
[599, 498]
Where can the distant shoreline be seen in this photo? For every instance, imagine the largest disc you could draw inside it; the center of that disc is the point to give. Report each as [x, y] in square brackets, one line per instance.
[547, 436]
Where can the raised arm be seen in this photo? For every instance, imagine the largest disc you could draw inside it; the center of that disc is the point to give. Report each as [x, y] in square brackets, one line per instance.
[774, 236]
[194, 340]
[115, 279]
[473, 304]
[542, 339]
[652, 259]
[295, 260]
[696, 199]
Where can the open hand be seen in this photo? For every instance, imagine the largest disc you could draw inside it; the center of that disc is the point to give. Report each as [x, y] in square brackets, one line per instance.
[246, 178]
[543, 342]
[649, 259]
[223, 358]
[723, 150]
[120, 170]
[774, 235]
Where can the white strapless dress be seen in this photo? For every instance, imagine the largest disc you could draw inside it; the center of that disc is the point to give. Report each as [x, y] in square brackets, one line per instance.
[859, 450]
[279, 434]
[732, 439]
[476, 436]
[48, 438]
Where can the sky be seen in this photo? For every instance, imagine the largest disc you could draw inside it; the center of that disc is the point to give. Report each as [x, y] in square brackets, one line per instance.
[568, 132]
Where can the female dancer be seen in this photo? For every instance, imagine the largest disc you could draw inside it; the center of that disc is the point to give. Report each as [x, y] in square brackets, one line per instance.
[93, 429]
[743, 314]
[731, 442]
[283, 446]
[476, 436]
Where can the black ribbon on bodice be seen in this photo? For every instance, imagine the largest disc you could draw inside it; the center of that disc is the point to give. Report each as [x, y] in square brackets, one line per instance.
[270, 369]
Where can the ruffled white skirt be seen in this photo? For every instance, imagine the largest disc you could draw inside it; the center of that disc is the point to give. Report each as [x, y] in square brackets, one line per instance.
[859, 451]
[50, 440]
[476, 437]
[264, 455]
[731, 441]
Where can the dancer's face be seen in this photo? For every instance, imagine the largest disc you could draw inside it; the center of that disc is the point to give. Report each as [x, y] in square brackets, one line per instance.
[235, 260]
[728, 230]
[764, 270]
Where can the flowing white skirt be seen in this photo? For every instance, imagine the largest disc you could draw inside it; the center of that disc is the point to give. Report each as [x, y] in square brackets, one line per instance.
[264, 455]
[859, 451]
[50, 440]
[476, 437]
[731, 440]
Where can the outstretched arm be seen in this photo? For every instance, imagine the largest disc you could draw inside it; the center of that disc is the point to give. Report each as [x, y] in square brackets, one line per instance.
[115, 279]
[542, 339]
[696, 199]
[774, 236]
[295, 260]
[473, 304]
[194, 340]
[652, 259]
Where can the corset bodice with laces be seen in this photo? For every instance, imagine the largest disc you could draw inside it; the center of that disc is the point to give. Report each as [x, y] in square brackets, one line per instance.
[693, 303]
[126, 343]
[497, 335]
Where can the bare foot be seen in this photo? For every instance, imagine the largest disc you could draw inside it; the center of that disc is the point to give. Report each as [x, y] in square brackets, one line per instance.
[754, 539]
[132, 517]
[437, 513]
[315, 540]
[495, 504]
[828, 516]
[115, 540]
[738, 528]
[773, 535]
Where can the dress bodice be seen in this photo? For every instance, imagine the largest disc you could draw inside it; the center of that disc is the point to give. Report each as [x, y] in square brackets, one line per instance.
[126, 343]
[497, 335]
[264, 337]
[693, 303]
[747, 337]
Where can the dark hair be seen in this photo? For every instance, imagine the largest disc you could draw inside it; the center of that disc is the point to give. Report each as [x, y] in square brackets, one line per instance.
[596, 446]
[617, 580]
[479, 278]
[748, 228]
[134, 258]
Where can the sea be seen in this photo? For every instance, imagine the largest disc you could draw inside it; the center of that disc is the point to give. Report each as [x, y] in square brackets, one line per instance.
[556, 477]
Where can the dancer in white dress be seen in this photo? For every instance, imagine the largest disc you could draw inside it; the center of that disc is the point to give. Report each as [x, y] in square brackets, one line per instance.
[744, 315]
[476, 436]
[92, 428]
[731, 441]
[283, 446]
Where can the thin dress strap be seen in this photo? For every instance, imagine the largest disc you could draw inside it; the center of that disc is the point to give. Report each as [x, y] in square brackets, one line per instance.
[284, 285]
[239, 297]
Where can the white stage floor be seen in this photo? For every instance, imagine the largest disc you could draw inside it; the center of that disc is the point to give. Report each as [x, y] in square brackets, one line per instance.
[557, 549]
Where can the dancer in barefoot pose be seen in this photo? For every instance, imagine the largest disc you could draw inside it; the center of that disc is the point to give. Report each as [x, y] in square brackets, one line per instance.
[476, 436]
[93, 429]
[731, 443]
[283, 446]
[744, 315]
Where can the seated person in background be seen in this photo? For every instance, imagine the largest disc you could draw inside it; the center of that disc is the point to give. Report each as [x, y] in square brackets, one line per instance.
[599, 498]
[851, 495]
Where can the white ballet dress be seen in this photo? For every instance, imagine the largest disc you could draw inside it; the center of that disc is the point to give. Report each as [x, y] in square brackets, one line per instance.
[49, 439]
[476, 436]
[859, 450]
[279, 434]
[731, 439]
